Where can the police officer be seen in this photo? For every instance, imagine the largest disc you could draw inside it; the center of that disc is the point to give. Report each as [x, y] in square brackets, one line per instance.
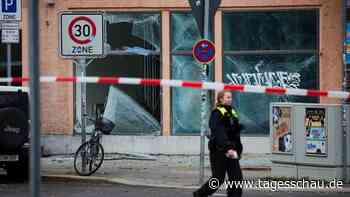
[225, 148]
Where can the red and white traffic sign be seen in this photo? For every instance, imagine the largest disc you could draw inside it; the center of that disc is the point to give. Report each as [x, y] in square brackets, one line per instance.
[82, 34]
[204, 51]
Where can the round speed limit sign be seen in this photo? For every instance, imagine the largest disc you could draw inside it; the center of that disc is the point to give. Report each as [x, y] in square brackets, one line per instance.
[82, 34]
[82, 30]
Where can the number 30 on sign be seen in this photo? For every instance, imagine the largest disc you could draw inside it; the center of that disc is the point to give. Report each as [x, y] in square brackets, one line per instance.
[82, 34]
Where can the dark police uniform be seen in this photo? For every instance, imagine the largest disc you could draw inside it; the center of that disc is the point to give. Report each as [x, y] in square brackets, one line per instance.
[225, 135]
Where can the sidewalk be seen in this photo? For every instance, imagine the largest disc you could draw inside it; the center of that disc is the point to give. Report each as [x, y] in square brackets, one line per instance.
[156, 171]
[162, 170]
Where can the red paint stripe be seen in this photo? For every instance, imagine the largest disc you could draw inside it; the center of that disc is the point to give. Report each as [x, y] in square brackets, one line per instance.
[192, 84]
[108, 80]
[151, 82]
[275, 90]
[316, 93]
[234, 87]
[66, 79]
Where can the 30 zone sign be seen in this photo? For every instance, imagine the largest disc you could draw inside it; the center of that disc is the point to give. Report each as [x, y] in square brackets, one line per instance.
[82, 34]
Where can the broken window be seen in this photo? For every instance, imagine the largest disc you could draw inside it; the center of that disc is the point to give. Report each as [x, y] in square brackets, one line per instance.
[186, 103]
[269, 48]
[134, 51]
[184, 32]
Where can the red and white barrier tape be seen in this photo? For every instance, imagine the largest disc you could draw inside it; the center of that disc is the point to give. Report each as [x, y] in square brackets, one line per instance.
[188, 84]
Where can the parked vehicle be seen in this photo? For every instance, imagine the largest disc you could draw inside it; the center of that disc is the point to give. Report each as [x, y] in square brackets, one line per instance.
[14, 131]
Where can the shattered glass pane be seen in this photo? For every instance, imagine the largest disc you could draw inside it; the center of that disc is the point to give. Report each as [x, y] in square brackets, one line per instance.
[270, 30]
[186, 102]
[127, 114]
[134, 43]
[288, 71]
[141, 26]
[184, 31]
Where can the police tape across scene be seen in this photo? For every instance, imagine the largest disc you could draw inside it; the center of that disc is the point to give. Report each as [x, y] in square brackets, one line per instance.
[186, 84]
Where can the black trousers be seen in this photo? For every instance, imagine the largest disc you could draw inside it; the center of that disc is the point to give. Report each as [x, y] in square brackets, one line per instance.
[220, 165]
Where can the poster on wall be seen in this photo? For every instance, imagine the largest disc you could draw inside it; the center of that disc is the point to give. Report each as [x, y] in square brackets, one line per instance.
[281, 125]
[315, 131]
[347, 52]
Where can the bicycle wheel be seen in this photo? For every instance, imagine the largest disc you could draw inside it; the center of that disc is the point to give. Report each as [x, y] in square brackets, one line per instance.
[94, 155]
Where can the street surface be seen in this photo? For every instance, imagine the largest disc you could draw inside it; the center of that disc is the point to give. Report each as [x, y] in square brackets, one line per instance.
[84, 189]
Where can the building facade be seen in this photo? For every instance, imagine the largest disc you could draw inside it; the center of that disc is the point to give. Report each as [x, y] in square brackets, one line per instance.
[294, 44]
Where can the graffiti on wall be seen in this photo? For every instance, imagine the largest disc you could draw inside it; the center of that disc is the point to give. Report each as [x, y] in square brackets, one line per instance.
[297, 71]
[271, 79]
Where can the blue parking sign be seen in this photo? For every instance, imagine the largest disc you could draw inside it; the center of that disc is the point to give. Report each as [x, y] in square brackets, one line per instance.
[9, 6]
[10, 10]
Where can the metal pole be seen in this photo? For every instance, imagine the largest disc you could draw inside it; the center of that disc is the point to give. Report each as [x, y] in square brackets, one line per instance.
[82, 64]
[33, 52]
[345, 140]
[9, 62]
[204, 98]
[344, 109]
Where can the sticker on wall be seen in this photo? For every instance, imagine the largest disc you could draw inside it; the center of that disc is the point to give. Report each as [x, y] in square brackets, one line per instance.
[315, 131]
[347, 43]
[282, 136]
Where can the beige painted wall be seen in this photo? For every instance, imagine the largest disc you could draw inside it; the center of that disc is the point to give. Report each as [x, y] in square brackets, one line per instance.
[57, 99]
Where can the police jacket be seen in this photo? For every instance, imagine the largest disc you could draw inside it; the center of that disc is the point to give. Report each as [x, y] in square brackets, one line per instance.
[225, 130]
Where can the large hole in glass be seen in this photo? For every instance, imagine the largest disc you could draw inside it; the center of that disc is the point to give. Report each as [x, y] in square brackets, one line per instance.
[134, 44]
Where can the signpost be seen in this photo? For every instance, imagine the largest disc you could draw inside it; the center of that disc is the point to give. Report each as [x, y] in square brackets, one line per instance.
[199, 11]
[10, 14]
[82, 36]
[345, 87]
[204, 52]
[10, 36]
[34, 65]
[10, 10]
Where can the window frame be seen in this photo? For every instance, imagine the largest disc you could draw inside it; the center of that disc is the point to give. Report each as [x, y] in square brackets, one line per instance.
[159, 53]
[274, 52]
[173, 53]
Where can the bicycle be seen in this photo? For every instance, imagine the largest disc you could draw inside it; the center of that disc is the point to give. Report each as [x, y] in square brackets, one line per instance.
[89, 156]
